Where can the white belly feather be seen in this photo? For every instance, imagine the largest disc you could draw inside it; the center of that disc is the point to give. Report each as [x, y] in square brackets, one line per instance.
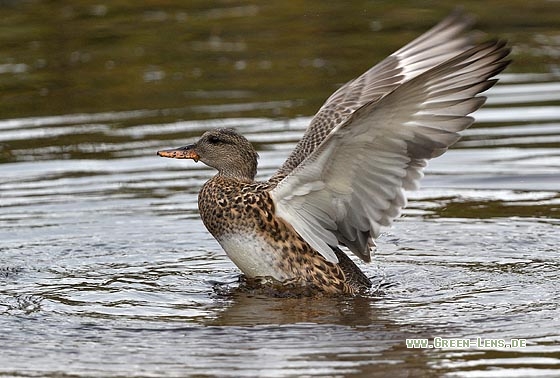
[252, 254]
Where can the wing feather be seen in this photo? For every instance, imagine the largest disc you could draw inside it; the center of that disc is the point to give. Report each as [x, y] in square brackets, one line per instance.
[354, 182]
[444, 41]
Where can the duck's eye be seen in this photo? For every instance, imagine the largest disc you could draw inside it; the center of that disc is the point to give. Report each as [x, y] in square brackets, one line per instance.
[213, 139]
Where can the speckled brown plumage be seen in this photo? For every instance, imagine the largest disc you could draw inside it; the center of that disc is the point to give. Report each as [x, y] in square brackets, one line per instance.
[230, 205]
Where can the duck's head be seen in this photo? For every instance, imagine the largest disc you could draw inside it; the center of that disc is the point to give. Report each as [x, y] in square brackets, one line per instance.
[224, 149]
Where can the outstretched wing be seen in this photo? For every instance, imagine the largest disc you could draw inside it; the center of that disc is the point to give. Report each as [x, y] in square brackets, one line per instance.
[354, 182]
[445, 40]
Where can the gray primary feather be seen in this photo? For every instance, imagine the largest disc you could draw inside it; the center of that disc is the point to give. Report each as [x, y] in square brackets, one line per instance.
[353, 182]
[445, 40]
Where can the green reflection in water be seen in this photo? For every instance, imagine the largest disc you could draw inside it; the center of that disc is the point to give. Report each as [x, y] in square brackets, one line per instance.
[63, 57]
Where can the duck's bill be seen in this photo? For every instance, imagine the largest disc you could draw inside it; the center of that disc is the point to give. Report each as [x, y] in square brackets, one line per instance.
[186, 152]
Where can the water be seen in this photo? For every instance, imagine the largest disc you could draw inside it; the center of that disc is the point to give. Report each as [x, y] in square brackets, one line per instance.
[106, 269]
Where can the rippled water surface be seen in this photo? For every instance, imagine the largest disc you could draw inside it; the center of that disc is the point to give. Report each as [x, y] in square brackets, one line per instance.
[107, 271]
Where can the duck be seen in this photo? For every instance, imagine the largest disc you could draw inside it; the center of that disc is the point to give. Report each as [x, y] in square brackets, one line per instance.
[347, 177]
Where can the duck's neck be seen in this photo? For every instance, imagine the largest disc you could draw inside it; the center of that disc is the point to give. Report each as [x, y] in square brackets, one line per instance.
[241, 171]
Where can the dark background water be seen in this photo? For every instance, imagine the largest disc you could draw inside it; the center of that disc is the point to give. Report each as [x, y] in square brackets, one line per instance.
[106, 269]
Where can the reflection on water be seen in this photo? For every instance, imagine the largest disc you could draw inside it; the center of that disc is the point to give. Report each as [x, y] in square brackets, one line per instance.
[106, 269]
